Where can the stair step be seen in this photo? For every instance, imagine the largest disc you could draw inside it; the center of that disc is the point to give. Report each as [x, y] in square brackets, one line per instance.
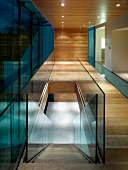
[56, 166]
[61, 161]
[58, 157]
[63, 166]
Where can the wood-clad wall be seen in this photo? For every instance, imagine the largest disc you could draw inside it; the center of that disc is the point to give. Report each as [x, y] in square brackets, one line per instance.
[63, 91]
[70, 44]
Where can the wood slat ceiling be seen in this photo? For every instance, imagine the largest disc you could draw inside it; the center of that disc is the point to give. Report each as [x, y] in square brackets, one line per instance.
[80, 12]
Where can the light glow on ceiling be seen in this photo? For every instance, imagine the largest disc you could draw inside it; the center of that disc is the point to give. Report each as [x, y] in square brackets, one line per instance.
[62, 16]
[62, 4]
[117, 5]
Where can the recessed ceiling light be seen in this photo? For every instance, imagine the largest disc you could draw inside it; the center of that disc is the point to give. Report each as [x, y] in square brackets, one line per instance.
[83, 25]
[89, 22]
[62, 4]
[62, 25]
[98, 16]
[62, 16]
[62, 22]
[117, 5]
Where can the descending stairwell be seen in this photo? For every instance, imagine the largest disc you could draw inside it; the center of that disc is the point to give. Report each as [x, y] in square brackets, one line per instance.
[58, 157]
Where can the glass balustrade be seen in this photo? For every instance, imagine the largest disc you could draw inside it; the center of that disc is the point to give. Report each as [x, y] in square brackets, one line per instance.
[85, 130]
[115, 80]
[88, 89]
[39, 129]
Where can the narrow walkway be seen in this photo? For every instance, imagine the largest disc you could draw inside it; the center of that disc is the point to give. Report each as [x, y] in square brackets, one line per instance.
[116, 119]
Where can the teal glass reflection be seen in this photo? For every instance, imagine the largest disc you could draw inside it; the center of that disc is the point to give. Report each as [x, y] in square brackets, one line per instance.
[12, 133]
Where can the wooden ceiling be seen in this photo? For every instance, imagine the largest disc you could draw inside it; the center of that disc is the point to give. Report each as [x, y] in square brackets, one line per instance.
[80, 13]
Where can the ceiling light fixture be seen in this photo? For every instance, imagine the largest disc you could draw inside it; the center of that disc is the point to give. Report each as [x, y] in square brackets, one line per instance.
[117, 5]
[89, 22]
[98, 16]
[83, 25]
[62, 4]
[62, 22]
[62, 16]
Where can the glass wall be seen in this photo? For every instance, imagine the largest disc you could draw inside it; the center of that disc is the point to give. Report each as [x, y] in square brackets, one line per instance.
[12, 133]
[26, 41]
[6, 64]
[23, 49]
[25, 45]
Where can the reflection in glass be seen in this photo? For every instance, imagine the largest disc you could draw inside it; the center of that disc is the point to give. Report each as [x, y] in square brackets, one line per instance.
[39, 130]
[85, 131]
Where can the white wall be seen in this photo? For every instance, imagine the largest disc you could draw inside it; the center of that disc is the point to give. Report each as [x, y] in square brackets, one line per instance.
[120, 22]
[120, 51]
[100, 33]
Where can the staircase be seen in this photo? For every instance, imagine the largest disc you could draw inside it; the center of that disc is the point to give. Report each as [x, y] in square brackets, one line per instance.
[58, 157]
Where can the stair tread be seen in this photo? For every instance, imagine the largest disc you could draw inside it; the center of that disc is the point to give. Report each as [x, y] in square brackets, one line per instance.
[63, 166]
[58, 157]
[56, 166]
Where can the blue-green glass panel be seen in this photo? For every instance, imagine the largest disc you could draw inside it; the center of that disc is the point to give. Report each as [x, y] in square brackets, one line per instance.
[48, 41]
[15, 49]
[5, 139]
[25, 47]
[6, 64]
[91, 46]
[12, 133]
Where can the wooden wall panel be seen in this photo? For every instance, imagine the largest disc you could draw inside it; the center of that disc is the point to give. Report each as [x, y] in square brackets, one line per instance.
[65, 97]
[63, 91]
[62, 87]
[70, 44]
